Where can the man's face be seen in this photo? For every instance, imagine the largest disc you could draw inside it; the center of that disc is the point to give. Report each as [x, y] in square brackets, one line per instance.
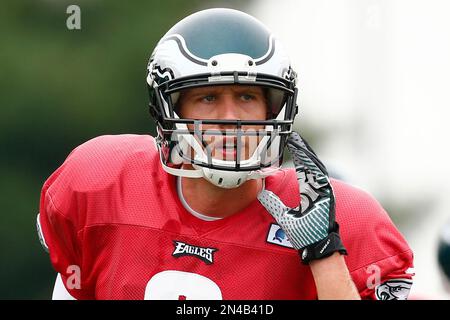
[230, 102]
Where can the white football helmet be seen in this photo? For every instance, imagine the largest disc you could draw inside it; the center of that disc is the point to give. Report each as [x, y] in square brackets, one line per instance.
[220, 47]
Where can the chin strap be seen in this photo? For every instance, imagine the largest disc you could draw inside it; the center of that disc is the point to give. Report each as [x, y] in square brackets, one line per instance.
[220, 178]
[226, 179]
[188, 173]
[234, 179]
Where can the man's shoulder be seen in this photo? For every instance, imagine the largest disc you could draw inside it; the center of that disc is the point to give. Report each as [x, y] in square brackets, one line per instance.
[352, 202]
[98, 162]
[114, 148]
[106, 176]
[366, 229]
[356, 204]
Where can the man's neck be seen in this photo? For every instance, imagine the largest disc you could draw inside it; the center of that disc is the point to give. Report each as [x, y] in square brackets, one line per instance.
[210, 200]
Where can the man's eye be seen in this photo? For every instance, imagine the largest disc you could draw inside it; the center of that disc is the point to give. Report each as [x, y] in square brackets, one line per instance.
[209, 98]
[247, 97]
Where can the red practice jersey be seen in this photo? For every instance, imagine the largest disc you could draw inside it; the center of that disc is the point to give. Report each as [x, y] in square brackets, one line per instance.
[111, 216]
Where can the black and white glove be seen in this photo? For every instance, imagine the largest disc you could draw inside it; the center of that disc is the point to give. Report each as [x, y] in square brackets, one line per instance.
[311, 228]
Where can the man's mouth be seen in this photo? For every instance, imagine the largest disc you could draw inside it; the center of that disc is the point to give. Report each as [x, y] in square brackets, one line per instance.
[229, 153]
[226, 149]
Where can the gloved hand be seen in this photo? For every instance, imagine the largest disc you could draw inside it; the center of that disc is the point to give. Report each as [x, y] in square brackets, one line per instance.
[311, 228]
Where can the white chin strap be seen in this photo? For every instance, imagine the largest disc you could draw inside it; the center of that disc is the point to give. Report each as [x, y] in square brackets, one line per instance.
[226, 179]
[220, 178]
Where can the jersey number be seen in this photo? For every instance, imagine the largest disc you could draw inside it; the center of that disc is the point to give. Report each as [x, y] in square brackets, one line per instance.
[180, 285]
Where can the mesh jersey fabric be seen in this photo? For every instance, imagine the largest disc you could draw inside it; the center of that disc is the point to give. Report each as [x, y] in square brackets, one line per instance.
[111, 210]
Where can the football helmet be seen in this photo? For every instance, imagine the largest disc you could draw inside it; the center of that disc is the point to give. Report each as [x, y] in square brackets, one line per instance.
[218, 47]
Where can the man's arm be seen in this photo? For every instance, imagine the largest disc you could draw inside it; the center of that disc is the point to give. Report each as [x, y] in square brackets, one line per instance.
[332, 278]
[311, 227]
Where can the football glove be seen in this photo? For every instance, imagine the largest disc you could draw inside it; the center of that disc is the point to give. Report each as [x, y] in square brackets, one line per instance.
[311, 228]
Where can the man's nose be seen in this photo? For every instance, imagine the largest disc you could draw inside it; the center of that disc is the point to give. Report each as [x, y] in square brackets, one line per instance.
[228, 108]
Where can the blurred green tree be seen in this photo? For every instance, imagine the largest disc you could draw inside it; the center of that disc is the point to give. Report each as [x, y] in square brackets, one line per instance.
[59, 88]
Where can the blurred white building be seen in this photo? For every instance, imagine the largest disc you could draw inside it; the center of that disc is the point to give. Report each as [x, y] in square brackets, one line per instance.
[374, 78]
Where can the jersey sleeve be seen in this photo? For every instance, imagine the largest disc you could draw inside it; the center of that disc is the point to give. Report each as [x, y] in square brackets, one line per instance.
[388, 279]
[58, 227]
[86, 191]
[379, 259]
